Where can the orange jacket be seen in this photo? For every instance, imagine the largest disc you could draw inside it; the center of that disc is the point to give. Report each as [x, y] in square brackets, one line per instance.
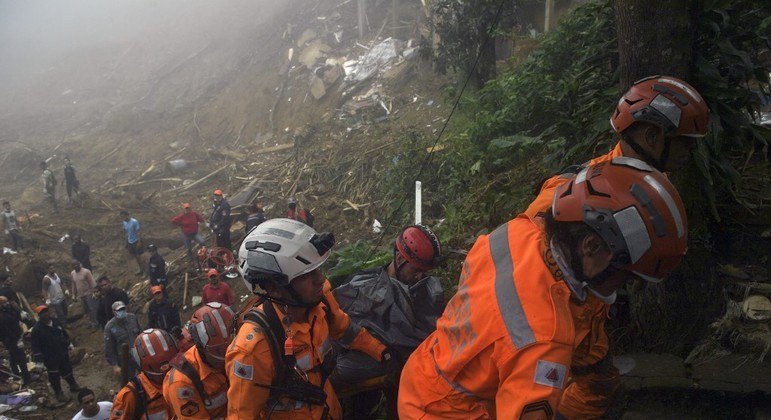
[503, 346]
[587, 396]
[543, 201]
[249, 362]
[183, 398]
[124, 405]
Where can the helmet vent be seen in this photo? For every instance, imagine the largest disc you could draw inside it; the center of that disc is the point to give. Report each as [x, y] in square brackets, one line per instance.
[268, 246]
[592, 191]
[302, 260]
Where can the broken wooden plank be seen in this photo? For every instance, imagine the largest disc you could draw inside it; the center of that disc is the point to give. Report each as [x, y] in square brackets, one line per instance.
[272, 149]
[193, 184]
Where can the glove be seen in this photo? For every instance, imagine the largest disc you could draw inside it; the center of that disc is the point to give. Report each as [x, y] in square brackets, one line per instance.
[24, 315]
[392, 368]
[48, 302]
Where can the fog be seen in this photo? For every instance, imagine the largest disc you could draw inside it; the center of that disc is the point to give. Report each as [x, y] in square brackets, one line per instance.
[70, 52]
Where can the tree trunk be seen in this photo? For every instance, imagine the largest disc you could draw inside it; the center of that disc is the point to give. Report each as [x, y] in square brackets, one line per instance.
[485, 69]
[654, 37]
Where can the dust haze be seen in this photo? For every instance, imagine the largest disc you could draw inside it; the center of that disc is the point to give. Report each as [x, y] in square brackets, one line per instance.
[64, 64]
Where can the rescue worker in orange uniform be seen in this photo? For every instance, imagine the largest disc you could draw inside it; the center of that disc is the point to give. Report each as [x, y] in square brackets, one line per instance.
[504, 345]
[142, 397]
[281, 356]
[658, 121]
[196, 386]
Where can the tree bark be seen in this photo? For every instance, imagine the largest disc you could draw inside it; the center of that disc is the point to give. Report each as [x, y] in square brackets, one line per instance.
[654, 37]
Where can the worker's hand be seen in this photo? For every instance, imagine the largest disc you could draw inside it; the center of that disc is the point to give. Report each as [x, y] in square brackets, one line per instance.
[48, 302]
[67, 292]
[116, 370]
[24, 315]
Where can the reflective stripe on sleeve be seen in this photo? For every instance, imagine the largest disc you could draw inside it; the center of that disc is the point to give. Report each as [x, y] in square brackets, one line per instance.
[506, 294]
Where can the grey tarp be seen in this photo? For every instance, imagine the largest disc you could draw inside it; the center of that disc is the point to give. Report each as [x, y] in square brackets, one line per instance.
[399, 316]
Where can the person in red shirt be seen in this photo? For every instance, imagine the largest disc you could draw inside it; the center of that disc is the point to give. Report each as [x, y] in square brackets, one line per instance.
[188, 221]
[216, 291]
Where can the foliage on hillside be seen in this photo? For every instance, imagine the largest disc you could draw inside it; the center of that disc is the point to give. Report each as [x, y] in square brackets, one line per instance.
[552, 111]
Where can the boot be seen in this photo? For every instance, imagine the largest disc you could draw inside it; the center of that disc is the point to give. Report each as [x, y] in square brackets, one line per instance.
[62, 397]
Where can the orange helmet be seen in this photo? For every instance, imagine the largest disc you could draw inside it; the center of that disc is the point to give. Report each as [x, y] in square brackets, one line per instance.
[420, 247]
[212, 273]
[152, 351]
[666, 102]
[212, 334]
[636, 211]
[218, 192]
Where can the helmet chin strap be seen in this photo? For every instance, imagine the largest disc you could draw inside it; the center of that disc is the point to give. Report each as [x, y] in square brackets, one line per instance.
[294, 301]
[659, 163]
[576, 279]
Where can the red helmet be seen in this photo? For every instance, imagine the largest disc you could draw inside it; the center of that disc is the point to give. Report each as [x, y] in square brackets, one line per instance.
[212, 273]
[212, 334]
[420, 247]
[636, 211]
[218, 192]
[666, 102]
[152, 351]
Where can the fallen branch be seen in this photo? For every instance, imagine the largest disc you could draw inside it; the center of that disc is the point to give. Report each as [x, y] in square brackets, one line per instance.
[93, 165]
[274, 148]
[191, 185]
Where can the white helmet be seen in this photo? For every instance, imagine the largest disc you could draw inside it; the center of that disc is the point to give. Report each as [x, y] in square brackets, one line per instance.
[280, 250]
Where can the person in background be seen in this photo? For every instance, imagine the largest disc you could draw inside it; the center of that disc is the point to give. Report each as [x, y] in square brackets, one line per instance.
[109, 294]
[295, 212]
[83, 288]
[49, 186]
[220, 220]
[122, 329]
[51, 344]
[161, 313]
[142, 397]
[157, 269]
[133, 239]
[188, 222]
[90, 409]
[53, 293]
[81, 251]
[256, 218]
[11, 226]
[70, 181]
[10, 334]
[216, 291]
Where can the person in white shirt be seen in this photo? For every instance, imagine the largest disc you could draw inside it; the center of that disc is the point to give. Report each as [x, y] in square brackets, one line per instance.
[90, 409]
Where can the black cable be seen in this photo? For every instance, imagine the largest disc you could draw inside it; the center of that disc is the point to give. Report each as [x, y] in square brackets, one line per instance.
[428, 158]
